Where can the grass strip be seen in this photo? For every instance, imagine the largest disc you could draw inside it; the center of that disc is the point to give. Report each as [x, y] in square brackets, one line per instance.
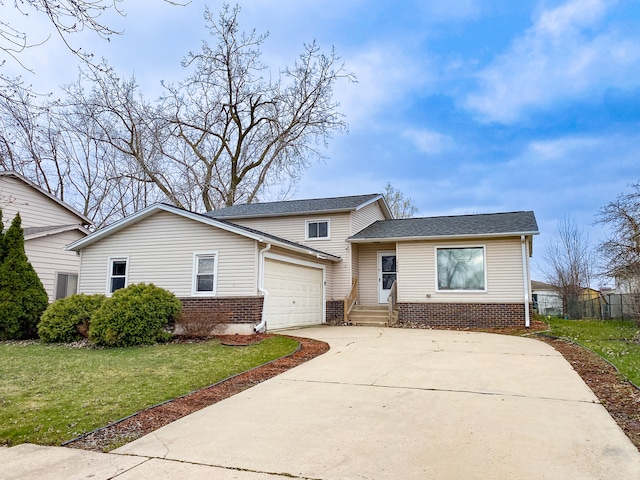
[618, 341]
[50, 394]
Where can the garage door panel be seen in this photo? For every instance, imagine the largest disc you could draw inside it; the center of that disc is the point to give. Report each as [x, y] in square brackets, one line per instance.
[295, 294]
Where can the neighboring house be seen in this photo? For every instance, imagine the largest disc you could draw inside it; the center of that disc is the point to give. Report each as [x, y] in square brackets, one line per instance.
[49, 225]
[297, 262]
[627, 279]
[546, 298]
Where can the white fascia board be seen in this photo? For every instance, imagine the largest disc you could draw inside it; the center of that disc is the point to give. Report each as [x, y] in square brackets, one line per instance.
[439, 237]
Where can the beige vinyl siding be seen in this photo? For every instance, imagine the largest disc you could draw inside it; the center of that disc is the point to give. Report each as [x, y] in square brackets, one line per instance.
[160, 250]
[417, 275]
[36, 209]
[293, 228]
[368, 271]
[365, 216]
[47, 255]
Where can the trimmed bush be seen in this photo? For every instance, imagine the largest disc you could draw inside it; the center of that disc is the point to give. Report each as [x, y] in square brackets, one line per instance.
[135, 315]
[68, 319]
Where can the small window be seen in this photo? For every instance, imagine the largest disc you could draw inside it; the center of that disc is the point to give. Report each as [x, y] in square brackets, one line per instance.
[66, 285]
[117, 274]
[204, 273]
[461, 269]
[318, 229]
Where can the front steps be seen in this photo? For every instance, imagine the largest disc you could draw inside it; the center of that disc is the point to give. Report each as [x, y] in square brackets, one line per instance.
[370, 315]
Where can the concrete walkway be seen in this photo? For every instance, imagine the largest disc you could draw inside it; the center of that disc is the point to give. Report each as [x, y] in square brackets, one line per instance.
[382, 403]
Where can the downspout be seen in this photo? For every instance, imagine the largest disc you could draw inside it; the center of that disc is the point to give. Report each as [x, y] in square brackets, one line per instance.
[262, 326]
[525, 277]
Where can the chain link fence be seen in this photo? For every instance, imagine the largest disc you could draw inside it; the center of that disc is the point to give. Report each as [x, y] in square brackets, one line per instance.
[605, 307]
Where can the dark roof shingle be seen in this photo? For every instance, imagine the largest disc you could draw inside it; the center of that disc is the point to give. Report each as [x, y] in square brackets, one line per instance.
[292, 207]
[452, 226]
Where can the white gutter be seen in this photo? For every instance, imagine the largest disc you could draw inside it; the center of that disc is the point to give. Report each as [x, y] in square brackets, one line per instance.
[262, 326]
[525, 276]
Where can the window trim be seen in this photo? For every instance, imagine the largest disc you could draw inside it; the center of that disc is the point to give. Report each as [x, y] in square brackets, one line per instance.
[484, 266]
[320, 220]
[194, 274]
[110, 269]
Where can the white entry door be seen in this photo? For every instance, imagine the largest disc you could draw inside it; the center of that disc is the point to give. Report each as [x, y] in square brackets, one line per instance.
[387, 271]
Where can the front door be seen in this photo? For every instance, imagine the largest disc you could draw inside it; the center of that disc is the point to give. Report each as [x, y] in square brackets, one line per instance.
[387, 270]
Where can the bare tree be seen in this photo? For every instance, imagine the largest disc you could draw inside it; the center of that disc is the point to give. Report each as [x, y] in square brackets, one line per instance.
[570, 261]
[621, 251]
[240, 129]
[622, 217]
[400, 206]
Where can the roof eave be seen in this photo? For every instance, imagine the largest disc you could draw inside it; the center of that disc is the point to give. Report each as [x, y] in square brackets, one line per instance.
[439, 237]
[56, 231]
[12, 173]
[142, 214]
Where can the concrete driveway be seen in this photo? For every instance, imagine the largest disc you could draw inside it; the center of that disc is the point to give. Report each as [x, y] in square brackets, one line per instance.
[388, 403]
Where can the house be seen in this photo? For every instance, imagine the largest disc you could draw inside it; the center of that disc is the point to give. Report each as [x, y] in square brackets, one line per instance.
[546, 298]
[304, 262]
[49, 225]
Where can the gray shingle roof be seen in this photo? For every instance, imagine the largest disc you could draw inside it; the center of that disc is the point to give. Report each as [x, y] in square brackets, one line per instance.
[518, 223]
[292, 207]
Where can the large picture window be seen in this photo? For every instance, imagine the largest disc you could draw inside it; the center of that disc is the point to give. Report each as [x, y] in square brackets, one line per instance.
[204, 273]
[461, 268]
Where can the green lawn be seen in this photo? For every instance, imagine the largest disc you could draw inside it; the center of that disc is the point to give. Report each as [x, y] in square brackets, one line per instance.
[49, 394]
[615, 340]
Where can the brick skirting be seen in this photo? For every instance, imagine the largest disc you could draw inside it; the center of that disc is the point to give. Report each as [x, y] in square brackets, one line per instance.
[463, 315]
[335, 310]
[202, 316]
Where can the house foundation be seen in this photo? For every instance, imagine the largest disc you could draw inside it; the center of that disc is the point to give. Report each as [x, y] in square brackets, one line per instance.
[463, 315]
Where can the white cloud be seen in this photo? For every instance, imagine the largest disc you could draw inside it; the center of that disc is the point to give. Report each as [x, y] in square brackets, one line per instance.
[386, 75]
[428, 142]
[558, 59]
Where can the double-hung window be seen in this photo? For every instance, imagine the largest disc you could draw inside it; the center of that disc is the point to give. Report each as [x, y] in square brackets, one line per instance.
[117, 274]
[317, 229]
[461, 268]
[205, 266]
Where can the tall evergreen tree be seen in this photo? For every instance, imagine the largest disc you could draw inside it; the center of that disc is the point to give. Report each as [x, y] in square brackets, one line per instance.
[23, 298]
[2, 252]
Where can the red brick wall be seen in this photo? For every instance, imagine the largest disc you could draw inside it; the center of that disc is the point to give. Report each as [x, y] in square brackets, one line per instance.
[335, 310]
[208, 313]
[463, 314]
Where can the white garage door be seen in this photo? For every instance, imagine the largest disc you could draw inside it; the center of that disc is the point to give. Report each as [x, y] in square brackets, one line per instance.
[294, 295]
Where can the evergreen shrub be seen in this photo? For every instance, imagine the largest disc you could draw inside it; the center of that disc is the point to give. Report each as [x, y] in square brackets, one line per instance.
[23, 298]
[135, 315]
[68, 319]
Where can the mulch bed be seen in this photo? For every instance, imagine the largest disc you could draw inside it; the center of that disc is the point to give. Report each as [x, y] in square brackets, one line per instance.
[146, 421]
[618, 396]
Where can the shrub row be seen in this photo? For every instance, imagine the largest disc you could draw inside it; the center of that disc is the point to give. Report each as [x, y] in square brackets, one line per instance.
[136, 315]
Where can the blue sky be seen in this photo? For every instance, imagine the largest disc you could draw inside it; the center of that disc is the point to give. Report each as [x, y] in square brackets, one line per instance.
[466, 106]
